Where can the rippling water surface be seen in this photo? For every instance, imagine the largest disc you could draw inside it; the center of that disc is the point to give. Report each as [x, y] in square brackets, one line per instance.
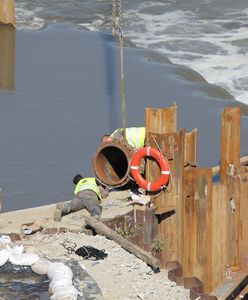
[210, 36]
[67, 83]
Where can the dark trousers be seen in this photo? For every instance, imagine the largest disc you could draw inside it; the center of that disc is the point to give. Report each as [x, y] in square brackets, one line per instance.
[86, 199]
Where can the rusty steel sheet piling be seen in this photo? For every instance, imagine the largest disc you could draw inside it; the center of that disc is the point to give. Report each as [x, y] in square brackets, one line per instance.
[203, 224]
[7, 12]
[7, 57]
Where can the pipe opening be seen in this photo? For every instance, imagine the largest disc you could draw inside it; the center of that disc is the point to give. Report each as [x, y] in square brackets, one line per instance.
[111, 164]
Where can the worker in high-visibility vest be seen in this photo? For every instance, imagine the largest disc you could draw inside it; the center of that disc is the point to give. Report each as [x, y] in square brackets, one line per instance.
[88, 194]
[135, 136]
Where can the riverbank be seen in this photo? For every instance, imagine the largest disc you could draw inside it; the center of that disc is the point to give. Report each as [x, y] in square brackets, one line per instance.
[114, 205]
[120, 276]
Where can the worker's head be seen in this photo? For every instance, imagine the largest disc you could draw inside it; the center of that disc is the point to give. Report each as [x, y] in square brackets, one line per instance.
[106, 139]
[77, 178]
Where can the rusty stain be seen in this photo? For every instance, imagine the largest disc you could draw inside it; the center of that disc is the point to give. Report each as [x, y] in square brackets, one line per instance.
[195, 285]
[228, 127]
[243, 179]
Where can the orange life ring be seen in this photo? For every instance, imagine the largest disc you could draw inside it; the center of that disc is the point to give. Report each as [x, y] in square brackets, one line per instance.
[163, 164]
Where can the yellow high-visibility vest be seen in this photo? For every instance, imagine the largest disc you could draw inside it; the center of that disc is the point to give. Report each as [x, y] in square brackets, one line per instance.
[87, 184]
[135, 136]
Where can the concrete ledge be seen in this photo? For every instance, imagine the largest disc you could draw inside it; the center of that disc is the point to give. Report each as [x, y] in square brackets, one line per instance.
[114, 205]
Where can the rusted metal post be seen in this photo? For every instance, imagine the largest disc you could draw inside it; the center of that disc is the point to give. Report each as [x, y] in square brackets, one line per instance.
[191, 148]
[243, 214]
[161, 120]
[230, 163]
[197, 211]
[180, 148]
[230, 142]
[161, 125]
[168, 202]
[7, 44]
[7, 57]
[7, 12]
[220, 211]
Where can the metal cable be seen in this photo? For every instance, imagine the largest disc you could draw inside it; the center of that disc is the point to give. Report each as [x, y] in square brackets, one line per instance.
[104, 184]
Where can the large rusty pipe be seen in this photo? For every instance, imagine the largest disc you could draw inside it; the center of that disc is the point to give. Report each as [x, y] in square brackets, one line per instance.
[111, 163]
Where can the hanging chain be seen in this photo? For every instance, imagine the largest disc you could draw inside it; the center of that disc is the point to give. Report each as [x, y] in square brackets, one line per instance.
[116, 18]
[113, 17]
[118, 23]
[123, 97]
[120, 15]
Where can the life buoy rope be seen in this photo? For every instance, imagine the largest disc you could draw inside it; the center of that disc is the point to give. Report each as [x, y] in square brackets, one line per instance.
[162, 162]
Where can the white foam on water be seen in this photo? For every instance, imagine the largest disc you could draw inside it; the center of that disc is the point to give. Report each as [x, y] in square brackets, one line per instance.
[95, 25]
[227, 68]
[206, 44]
[203, 45]
[27, 19]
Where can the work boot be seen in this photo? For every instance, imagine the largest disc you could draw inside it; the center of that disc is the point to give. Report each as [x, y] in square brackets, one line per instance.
[96, 213]
[61, 209]
[97, 217]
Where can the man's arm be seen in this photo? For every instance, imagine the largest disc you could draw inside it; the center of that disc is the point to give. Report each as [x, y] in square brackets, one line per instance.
[104, 191]
[118, 134]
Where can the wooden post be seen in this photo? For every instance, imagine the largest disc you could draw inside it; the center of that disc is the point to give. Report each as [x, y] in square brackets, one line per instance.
[7, 57]
[7, 12]
[100, 228]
